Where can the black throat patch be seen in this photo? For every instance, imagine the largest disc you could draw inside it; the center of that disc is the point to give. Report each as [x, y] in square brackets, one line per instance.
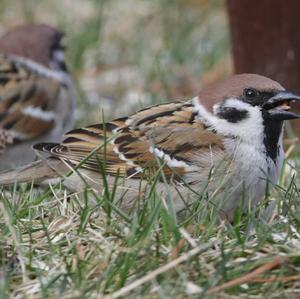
[272, 131]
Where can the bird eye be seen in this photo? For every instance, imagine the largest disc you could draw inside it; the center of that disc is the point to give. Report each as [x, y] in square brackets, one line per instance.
[250, 93]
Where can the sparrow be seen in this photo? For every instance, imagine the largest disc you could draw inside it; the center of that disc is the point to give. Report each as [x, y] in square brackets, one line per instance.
[37, 97]
[224, 142]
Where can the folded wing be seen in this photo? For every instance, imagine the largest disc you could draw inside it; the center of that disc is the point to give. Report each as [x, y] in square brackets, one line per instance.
[166, 137]
[26, 103]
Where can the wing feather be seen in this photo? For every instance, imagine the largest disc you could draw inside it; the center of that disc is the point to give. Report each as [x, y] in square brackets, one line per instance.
[170, 133]
[27, 101]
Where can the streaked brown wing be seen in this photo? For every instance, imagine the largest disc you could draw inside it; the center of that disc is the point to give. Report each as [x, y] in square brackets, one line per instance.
[129, 145]
[80, 143]
[26, 101]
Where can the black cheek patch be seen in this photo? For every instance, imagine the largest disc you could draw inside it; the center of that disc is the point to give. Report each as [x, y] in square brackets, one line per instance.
[233, 115]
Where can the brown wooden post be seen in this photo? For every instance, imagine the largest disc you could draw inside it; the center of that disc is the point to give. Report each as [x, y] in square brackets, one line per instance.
[266, 40]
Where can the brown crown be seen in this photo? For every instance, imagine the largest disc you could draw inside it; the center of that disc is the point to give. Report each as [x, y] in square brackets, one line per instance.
[33, 41]
[234, 86]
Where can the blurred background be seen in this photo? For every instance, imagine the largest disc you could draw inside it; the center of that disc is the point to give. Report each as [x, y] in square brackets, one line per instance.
[125, 55]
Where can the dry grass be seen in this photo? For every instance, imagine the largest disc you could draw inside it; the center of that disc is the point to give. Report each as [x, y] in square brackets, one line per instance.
[58, 245]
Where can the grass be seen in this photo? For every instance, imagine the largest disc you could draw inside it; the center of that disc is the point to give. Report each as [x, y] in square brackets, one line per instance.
[59, 245]
[53, 244]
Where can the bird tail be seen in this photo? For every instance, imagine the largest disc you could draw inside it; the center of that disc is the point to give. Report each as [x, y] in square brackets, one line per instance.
[36, 172]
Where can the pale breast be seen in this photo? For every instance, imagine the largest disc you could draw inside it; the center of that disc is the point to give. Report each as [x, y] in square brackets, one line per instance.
[252, 170]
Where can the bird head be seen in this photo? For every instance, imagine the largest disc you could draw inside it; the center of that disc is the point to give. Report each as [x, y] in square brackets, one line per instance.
[38, 42]
[246, 106]
[234, 98]
[245, 101]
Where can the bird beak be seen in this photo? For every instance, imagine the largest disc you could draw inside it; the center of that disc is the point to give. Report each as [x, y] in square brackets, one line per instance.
[278, 106]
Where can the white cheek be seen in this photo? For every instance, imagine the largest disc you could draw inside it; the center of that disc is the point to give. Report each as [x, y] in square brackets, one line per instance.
[250, 129]
[36, 112]
[59, 55]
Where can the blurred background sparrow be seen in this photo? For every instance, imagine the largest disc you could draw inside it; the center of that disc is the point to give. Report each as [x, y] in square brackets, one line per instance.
[37, 97]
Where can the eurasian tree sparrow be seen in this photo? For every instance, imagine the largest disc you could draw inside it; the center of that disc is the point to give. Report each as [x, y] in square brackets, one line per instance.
[223, 142]
[37, 97]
